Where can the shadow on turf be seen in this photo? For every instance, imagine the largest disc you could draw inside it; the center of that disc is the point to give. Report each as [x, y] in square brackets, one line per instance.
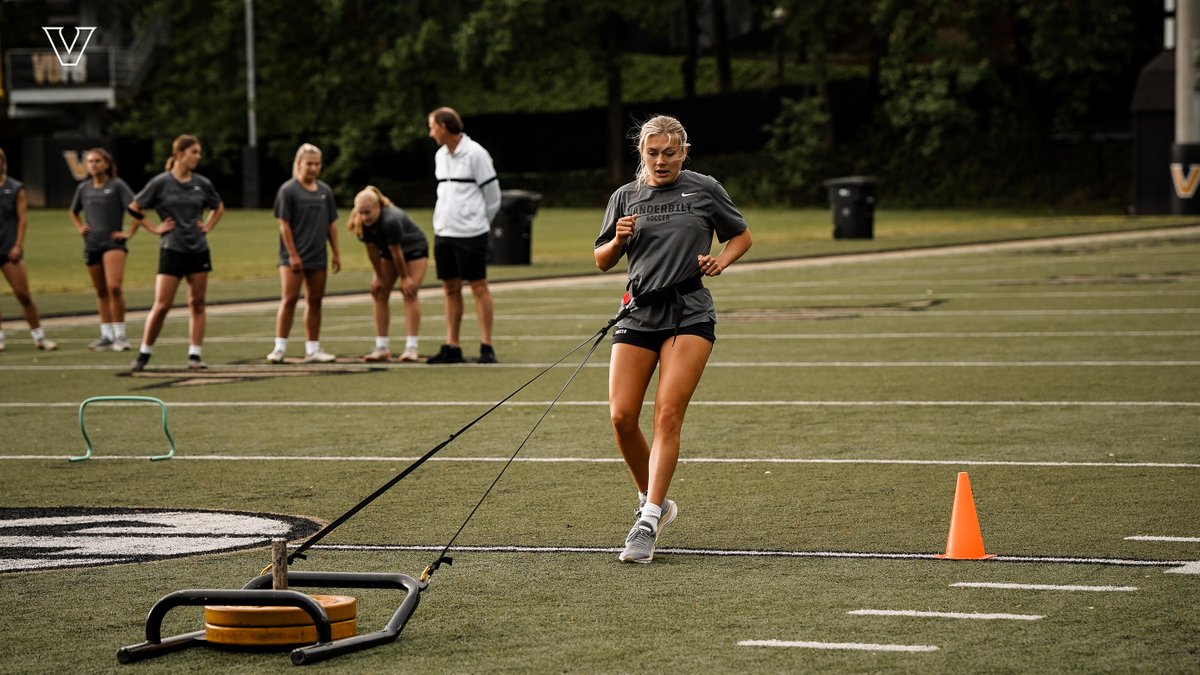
[185, 377]
[818, 313]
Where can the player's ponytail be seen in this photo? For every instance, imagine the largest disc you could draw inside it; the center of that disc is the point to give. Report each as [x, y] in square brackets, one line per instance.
[181, 144]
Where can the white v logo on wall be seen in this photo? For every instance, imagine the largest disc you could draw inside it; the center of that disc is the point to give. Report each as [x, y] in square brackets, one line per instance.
[52, 538]
[67, 56]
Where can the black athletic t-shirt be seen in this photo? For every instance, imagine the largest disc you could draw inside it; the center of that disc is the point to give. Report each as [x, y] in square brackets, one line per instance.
[185, 202]
[394, 227]
[103, 210]
[309, 212]
[675, 224]
[9, 190]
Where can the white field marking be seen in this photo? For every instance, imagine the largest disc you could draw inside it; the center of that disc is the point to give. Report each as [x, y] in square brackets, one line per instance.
[1044, 587]
[855, 646]
[744, 267]
[618, 460]
[914, 335]
[1192, 567]
[728, 296]
[569, 404]
[1148, 537]
[748, 553]
[366, 367]
[946, 615]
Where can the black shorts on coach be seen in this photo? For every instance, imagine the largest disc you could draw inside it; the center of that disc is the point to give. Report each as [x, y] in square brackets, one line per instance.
[461, 257]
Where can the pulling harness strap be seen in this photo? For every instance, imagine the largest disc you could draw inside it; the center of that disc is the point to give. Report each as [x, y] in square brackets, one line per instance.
[672, 294]
[595, 339]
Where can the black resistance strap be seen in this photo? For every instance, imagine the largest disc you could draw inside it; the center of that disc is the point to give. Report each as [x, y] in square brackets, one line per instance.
[595, 338]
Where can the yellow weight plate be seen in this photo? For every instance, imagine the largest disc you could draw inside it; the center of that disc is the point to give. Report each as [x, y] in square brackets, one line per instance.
[274, 635]
[338, 607]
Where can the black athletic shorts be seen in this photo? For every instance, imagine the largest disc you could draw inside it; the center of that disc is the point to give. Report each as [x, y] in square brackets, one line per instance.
[180, 264]
[461, 258]
[95, 256]
[655, 339]
[409, 256]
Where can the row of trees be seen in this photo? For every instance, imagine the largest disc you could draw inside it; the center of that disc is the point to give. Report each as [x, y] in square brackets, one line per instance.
[938, 83]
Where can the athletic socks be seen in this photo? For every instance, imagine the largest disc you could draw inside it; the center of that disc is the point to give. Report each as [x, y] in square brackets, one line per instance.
[281, 344]
[312, 346]
[193, 350]
[38, 334]
[146, 349]
[106, 331]
[411, 343]
[382, 342]
[118, 330]
[650, 514]
[641, 500]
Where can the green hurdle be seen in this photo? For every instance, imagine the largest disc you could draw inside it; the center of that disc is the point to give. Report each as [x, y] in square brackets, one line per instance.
[148, 399]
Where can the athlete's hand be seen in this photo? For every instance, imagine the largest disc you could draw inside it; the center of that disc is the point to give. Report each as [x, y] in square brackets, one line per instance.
[295, 263]
[15, 254]
[166, 226]
[337, 263]
[709, 265]
[120, 235]
[626, 227]
[408, 286]
[83, 231]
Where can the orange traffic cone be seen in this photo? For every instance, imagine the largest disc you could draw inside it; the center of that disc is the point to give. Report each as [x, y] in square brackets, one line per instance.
[965, 541]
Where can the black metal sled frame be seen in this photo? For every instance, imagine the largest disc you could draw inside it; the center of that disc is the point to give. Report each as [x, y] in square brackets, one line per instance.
[258, 592]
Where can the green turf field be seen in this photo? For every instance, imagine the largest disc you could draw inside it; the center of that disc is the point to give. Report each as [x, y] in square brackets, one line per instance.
[818, 469]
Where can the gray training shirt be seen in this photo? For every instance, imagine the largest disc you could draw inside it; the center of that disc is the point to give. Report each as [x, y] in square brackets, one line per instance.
[103, 210]
[394, 227]
[185, 202]
[309, 213]
[675, 224]
[9, 190]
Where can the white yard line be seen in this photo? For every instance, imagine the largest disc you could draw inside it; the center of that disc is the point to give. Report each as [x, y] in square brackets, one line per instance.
[1147, 537]
[283, 370]
[617, 460]
[760, 553]
[946, 615]
[1047, 587]
[569, 404]
[855, 646]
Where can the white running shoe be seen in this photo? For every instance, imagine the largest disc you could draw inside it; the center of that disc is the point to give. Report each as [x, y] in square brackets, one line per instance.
[275, 356]
[380, 355]
[639, 544]
[319, 357]
[121, 345]
[46, 345]
[410, 356]
[100, 344]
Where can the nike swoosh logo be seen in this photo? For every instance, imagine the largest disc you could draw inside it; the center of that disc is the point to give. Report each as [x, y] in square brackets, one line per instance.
[686, 194]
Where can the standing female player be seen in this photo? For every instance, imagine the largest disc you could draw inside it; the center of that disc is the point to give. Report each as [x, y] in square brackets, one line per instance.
[307, 219]
[664, 221]
[13, 222]
[103, 199]
[397, 249]
[180, 196]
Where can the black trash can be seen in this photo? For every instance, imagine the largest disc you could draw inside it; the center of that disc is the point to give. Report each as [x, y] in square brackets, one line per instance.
[853, 202]
[511, 236]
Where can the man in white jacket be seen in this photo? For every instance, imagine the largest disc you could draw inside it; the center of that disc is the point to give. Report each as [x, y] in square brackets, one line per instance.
[468, 197]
